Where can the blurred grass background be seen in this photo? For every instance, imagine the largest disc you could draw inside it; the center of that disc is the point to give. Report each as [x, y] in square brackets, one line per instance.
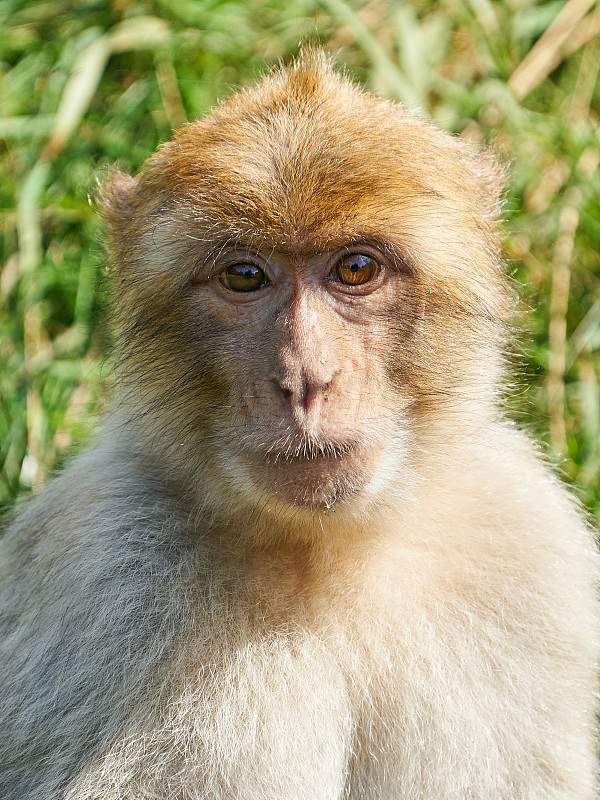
[91, 83]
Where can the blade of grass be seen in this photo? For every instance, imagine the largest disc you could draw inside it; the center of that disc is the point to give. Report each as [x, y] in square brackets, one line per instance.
[537, 64]
[29, 219]
[561, 278]
[590, 65]
[77, 94]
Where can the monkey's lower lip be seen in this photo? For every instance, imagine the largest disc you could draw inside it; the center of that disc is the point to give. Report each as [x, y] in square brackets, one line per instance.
[314, 479]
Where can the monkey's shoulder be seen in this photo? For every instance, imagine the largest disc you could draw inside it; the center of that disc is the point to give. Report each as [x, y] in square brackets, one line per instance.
[100, 530]
[493, 516]
[86, 575]
[502, 479]
[99, 491]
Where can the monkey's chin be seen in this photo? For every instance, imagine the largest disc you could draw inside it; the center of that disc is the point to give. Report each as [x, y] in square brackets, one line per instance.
[312, 485]
[312, 482]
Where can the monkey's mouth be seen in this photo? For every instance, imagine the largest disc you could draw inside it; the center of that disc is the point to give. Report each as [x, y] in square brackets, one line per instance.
[308, 472]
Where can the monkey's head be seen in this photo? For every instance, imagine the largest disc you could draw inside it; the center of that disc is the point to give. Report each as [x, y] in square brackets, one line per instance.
[307, 282]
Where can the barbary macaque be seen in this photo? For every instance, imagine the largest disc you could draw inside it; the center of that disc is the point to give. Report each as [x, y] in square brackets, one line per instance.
[307, 558]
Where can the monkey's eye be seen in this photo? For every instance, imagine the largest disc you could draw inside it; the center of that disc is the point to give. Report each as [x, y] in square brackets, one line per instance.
[243, 277]
[354, 269]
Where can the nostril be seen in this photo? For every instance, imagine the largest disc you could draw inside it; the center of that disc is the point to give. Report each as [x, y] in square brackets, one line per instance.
[287, 393]
[308, 398]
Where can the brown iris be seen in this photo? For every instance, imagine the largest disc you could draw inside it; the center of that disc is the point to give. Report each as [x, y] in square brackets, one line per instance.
[354, 269]
[243, 277]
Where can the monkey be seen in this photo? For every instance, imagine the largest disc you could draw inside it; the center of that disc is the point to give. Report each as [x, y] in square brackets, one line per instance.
[307, 554]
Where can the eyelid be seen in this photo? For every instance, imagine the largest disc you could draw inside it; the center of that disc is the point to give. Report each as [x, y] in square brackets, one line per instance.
[224, 261]
[222, 258]
[388, 255]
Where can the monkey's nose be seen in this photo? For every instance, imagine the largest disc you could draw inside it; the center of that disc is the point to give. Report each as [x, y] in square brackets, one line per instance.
[304, 395]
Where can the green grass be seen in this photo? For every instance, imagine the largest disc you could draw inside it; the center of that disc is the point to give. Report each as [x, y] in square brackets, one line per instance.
[91, 83]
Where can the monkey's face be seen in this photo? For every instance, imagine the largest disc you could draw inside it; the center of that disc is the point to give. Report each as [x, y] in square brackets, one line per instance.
[307, 281]
[302, 352]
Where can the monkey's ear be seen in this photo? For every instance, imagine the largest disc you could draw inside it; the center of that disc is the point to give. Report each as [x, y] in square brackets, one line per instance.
[116, 198]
